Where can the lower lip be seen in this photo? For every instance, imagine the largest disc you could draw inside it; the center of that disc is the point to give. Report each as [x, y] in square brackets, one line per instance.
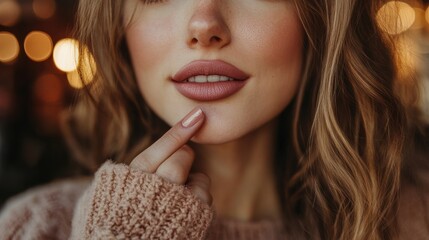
[210, 91]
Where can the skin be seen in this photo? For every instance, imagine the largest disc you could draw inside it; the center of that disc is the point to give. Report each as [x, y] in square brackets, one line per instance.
[236, 154]
[171, 159]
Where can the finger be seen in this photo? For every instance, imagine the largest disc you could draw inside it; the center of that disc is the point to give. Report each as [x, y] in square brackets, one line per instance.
[150, 159]
[199, 184]
[176, 168]
[200, 179]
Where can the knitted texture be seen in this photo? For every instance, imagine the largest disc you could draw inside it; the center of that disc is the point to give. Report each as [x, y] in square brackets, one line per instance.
[121, 203]
[43, 212]
[124, 203]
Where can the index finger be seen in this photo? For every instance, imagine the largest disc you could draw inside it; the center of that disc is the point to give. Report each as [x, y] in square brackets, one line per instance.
[177, 136]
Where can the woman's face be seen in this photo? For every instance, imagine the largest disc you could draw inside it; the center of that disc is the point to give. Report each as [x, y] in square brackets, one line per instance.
[255, 45]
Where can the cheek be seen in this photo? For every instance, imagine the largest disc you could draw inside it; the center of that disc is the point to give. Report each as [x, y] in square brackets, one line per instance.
[149, 45]
[276, 41]
[278, 54]
[281, 53]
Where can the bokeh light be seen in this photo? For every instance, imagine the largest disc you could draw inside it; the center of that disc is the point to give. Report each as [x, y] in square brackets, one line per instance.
[38, 46]
[67, 58]
[427, 14]
[407, 52]
[87, 72]
[74, 80]
[10, 12]
[66, 55]
[396, 17]
[44, 8]
[9, 47]
[419, 21]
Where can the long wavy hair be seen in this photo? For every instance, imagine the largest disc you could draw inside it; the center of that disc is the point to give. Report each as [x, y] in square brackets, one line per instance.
[338, 160]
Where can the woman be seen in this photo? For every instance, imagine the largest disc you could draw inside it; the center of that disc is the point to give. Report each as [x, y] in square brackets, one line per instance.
[293, 127]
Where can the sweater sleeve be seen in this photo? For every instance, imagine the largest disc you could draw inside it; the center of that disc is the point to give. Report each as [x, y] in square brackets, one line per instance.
[125, 203]
[43, 212]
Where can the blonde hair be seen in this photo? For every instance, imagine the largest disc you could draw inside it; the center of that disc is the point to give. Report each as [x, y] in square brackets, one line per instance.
[351, 141]
[104, 122]
[341, 178]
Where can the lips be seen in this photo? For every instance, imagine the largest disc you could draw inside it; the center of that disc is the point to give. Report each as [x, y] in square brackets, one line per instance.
[206, 80]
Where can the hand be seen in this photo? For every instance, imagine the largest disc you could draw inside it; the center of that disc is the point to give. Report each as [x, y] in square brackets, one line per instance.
[170, 158]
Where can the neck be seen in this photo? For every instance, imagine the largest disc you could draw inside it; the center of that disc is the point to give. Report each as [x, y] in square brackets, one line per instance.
[242, 174]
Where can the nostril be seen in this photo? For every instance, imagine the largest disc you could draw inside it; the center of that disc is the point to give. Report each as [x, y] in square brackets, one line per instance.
[215, 39]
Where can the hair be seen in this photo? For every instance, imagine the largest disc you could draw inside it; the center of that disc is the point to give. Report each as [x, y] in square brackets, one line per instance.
[339, 159]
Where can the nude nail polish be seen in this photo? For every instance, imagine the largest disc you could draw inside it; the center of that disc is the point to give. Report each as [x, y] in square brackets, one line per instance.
[192, 118]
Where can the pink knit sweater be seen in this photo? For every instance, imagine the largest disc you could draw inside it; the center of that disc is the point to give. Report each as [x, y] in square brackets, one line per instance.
[121, 203]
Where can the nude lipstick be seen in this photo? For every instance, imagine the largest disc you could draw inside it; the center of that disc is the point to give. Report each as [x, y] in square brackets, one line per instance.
[209, 80]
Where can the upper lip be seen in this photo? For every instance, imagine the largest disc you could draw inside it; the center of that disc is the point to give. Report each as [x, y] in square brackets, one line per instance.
[209, 67]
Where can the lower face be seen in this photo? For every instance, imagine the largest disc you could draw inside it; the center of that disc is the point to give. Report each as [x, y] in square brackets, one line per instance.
[262, 38]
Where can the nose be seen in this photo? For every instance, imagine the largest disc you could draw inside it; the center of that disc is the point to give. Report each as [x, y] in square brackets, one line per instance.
[207, 27]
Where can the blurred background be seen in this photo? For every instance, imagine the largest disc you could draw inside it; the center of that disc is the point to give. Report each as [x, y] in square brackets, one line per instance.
[36, 84]
[38, 81]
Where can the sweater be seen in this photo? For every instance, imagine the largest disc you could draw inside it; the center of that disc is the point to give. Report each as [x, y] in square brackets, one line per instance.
[124, 203]
[121, 203]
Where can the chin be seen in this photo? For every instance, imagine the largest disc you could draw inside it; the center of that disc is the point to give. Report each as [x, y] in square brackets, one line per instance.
[208, 140]
[208, 135]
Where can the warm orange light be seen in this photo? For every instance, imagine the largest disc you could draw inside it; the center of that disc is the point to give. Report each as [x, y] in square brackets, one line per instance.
[396, 17]
[407, 52]
[420, 18]
[9, 12]
[88, 70]
[44, 8]
[74, 80]
[9, 47]
[427, 14]
[38, 46]
[66, 55]
[67, 58]
[48, 88]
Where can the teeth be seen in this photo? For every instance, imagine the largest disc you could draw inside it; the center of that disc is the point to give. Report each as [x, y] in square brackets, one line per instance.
[201, 79]
[224, 78]
[213, 78]
[210, 78]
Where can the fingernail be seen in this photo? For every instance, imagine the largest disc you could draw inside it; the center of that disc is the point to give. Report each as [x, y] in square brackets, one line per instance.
[192, 118]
